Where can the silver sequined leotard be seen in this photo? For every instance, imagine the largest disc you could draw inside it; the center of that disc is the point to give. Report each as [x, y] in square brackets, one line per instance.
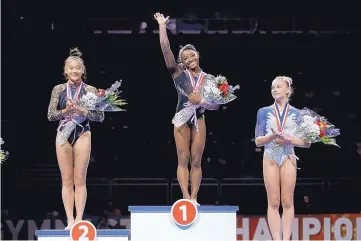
[58, 102]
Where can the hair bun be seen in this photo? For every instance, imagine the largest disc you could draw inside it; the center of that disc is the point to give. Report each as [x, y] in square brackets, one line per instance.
[187, 46]
[75, 52]
[190, 46]
[290, 80]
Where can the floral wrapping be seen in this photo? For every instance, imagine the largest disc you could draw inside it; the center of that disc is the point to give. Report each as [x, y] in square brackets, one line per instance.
[314, 128]
[105, 101]
[214, 91]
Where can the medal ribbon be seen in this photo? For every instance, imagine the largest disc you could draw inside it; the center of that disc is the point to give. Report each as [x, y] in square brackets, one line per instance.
[202, 75]
[76, 92]
[281, 119]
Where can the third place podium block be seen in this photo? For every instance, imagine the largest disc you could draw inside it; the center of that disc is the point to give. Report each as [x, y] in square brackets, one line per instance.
[183, 221]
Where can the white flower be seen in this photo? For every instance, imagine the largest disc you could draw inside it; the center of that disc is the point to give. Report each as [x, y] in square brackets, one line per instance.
[303, 125]
[309, 119]
[309, 129]
[212, 89]
[89, 96]
[220, 79]
[211, 92]
[89, 100]
[313, 131]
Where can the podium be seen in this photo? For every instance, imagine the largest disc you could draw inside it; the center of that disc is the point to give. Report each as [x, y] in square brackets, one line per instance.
[179, 223]
[101, 235]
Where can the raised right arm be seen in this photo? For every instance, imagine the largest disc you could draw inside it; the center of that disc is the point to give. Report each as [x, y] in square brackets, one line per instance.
[170, 61]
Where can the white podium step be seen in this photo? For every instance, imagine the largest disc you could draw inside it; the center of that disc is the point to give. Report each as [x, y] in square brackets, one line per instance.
[180, 223]
[101, 235]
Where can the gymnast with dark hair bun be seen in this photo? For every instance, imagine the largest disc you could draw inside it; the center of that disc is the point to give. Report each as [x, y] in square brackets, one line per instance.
[190, 137]
[73, 139]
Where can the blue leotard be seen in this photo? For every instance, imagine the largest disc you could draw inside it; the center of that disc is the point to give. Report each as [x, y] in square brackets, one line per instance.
[271, 118]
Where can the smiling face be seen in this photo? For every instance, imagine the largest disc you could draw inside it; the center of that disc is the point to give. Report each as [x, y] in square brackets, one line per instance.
[74, 70]
[280, 89]
[190, 59]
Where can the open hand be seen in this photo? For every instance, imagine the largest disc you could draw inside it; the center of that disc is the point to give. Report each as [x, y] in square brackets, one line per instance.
[161, 19]
[194, 98]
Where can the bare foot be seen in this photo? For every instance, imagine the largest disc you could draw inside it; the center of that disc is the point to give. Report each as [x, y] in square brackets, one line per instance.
[187, 197]
[70, 224]
[78, 220]
[195, 202]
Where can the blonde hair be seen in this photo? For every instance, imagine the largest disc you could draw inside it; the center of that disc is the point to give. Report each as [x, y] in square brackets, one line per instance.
[288, 80]
[75, 54]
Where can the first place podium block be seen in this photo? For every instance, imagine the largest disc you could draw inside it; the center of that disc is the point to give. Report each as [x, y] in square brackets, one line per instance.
[183, 221]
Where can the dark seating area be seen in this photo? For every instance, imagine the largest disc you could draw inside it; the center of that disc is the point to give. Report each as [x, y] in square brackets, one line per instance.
[133, 156]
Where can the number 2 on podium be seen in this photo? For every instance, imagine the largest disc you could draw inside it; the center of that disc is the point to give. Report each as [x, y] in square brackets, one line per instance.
[83, 236]
[83, 231]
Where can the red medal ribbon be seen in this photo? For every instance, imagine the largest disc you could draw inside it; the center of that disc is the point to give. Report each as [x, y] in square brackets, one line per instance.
[200, 81]
[281, 126]
[76, 92]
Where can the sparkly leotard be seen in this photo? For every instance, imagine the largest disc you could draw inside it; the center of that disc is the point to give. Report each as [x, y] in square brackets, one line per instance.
[58, 102]
[270, 118]
[181, 78]
[182, 99]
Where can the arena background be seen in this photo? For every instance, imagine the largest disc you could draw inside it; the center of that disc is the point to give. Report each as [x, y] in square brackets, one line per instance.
[133, 160]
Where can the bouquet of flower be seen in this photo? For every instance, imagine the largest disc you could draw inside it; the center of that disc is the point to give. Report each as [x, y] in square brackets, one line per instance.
[314, 128]
[214, 90]
[3, 155]
[106, 100]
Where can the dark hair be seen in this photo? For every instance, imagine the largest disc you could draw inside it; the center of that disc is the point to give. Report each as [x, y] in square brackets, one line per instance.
[182, 48]
[76, 54]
